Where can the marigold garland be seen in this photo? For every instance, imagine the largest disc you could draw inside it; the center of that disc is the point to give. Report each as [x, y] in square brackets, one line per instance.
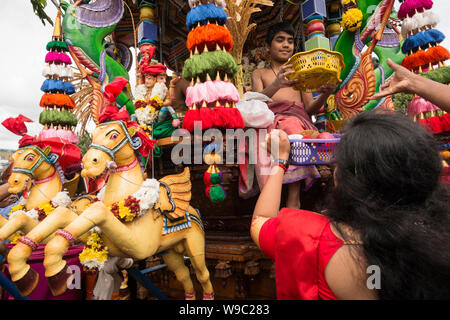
[14, 239]
[127, 209]
[95, 253]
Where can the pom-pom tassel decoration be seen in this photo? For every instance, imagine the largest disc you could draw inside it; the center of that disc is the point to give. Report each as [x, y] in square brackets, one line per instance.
[210, 35]
[220, 120]
[206, 116]
[438, 54]
[213, 178]
[418, 21]
[191, 116]
[410, 7]
[203, 13]
[423, 122]
[422, 39]
[434, 123]
[445, 122]
[419, 105]
[238, 122]
[416, 60]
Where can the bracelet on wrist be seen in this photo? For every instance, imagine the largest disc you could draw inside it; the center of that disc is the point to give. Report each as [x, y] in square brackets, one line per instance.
[283, 164]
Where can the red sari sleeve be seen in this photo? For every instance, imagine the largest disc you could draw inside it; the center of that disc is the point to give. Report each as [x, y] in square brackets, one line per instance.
[267, 237]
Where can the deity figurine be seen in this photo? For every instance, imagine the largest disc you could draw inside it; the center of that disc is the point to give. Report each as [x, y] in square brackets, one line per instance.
[153, 101]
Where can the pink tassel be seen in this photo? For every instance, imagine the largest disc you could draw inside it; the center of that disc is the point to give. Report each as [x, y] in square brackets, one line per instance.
[67, 135]
[409, 7]
[51, 56]
[419, 105]
[227, 91]
[63, 58]
[48, 133]
[210, 92]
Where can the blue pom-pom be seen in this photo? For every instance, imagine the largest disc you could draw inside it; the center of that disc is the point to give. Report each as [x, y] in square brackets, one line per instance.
[422, 39]
[52, 85]
[58, 86]
[44, 86]
[205, 12]
[68, 88]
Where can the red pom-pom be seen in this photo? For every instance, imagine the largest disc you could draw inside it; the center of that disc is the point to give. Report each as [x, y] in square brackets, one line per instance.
[445, 122]
[207, 118]
[220, 120]
[435, 124]
[208, 188]
[207, 178]
[423, 123]
[238, 122]
[190, 118]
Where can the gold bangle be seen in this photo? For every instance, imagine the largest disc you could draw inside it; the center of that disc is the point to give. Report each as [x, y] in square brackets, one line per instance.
[171, 86]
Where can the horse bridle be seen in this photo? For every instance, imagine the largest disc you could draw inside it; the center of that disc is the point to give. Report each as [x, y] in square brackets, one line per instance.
[135, 142]
[51, 159]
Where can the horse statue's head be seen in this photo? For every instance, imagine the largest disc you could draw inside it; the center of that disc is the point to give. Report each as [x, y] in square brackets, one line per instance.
[117, 138]
[113, 144]
[30, 163]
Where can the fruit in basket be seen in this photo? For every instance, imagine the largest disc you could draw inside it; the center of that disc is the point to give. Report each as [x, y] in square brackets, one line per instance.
[311, 134]
[325, 135]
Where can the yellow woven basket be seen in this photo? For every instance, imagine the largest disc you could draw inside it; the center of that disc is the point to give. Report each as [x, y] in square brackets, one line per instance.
[316, 68]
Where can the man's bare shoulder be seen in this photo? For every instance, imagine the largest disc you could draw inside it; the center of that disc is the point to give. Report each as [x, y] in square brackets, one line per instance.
[260, 72]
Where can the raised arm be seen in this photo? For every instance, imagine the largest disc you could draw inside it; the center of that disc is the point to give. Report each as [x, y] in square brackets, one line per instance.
[405, 81]
[268, 203]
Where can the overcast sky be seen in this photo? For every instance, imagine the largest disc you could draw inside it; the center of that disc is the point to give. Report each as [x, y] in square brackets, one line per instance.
[23, 40]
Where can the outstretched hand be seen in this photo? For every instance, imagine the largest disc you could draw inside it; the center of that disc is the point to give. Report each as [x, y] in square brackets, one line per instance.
[328, 88]
[282, 80]
[277, 142]
[399, 82]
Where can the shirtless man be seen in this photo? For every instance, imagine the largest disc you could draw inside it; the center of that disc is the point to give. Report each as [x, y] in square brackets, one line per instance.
[179, 95]
[273, 82]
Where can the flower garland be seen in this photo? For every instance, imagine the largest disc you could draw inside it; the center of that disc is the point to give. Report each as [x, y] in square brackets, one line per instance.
[14, 239]
[136, 204]
[95, 253]
[39, 213]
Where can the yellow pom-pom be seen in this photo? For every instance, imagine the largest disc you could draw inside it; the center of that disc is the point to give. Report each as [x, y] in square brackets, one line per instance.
[445, 154]
[344, 2]
[352, 19]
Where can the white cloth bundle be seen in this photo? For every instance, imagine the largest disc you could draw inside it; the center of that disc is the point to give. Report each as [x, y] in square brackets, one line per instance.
[419, 20]
[255, 111]
[109, 279]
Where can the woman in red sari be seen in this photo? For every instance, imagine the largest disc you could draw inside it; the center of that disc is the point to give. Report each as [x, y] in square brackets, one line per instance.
[386, 234]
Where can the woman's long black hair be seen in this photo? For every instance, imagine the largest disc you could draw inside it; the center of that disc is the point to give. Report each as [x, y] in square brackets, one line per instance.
[388, 190]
